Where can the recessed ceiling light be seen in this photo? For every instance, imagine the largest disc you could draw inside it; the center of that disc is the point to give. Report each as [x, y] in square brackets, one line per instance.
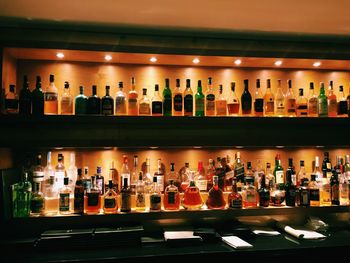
[108, 57]
[317, 64]
[60, 55]
[196, 60]
[153, 59]
[279, 146]
[238, 62]
[153, 147]
[197, 147]
[278, 63]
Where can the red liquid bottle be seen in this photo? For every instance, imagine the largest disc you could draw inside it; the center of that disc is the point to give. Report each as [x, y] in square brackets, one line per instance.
[192, 199]
[216, 196]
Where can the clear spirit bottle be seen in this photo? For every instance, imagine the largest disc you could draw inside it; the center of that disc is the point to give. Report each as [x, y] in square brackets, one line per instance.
[132, 99]
[312, 102]
[291, 102]
[301, 177]
[51, 98]
[134, 174]
[60, 172]
[38, 99]
[210, 99]
[269, 100]
[280, 102]
[343, 187]
[66, 100]
[72, 170]
[125, 172]
[155, 197]
[120, 101]
[51, 198]
[325, 192]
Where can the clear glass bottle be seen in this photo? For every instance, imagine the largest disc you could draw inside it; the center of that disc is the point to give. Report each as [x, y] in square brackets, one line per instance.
[157, 102]
[258, 100]
[37, 171]
[233, 103]
[342, 103]
[120, 101]
[134, 174]
[332, 101]
[280, 100]
[173, 175]
[302, 174]
[325, 193]
[66, 100]
[110, 201]
[159, 174]
[49, 169]
[278, 171]
[125, 197]
[145, 104]
[92, 200]
[155, 197]
[167, 99]
[210, 99]
[343, 187]
[192, 199]
[249, 193]
[210, 172]
[200, 178]
[132, 99]
[72, 170]
[291, 102]
[185, 177]
[107, 103]
[81, 102]
[60, 172]
[125, 173]
[11, 100]
[140, 194]
[199, 100]
[312, 102]
[246, 99]
[178, 99]
[269, 100]
[270, 178]
[147, 176]
[100, 181]
[301, 104]
[51, 98]
[221, 103]
[38, 99]
[171, 200]
[188, 99]
[51, 198]
[37, 201]
[234, 199]
[215, 196]
[79, 193]
[64, 198]
[314, 190]
[322, 102]
[87, 180]
[94, 102]
[317, 172]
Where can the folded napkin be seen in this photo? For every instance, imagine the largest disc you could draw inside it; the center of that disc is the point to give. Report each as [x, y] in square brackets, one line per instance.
[303, 234]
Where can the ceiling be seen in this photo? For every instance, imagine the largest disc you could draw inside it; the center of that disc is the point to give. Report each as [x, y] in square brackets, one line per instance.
[294, 16]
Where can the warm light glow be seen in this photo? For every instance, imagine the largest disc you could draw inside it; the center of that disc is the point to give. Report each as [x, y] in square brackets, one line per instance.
[108, 57]
[154, 147]
[317, 64]
[238, 62]
[197, 147]
[278, 63]
[239, 147]
[196, 60]
[153, 59]
[279, 146]
[60, 55]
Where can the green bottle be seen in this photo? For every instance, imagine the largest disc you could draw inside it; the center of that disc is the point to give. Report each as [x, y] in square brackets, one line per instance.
[21, 197]
[81, 102]
[322, 102]
[278, 172]
[38, 98]
[167, 99]
[199, 100]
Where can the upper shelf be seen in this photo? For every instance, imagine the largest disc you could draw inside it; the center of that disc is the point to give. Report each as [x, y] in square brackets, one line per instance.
[135, 131]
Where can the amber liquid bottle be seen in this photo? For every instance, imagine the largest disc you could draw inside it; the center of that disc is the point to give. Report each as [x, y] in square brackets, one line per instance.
[216, 196]
[92, 202]
[125, 197]
[192, 199]
[234, 198]
[171, 197]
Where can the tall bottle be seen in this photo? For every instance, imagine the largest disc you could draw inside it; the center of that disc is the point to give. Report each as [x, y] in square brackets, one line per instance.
[178, 100]
[322, 102]
[147, 176]
[94, 102]
[134, 174]
[280, 102]
[343, 187]
[155, 197]
[60, 172]
[188, 99]
[110, 201]
[291, 102]
[66, 100]
[51, 98]
[120, 100]
[145, 104]
[92, 200]
[107, 103]
[64, 198]
[125, 173]
[159, 174]
[25, 98]
[11, 100]
[249, 193]
[290, 171]
[200, 178]
[49, 169]
[79, 193]
[239, 171]
[114, 176]
[312, 102]
[37, 200]
[342, 103]
[278, 171]
[233, 103]
[72, 170]
[246, 99]
[301, 104]
[171, 199]
[167, 99]
[301, 177]
[269, 100]
[157, 102]
[332, 101]
[348, 103]
[264, 193]
[38, 171]
[221, 103]
[290, 188]
[326, 166]
[317, 172]
[38, 99]
[325, 192]
[258, 100]
[199, 100]
[132, 99]
[210, 99]
[140, 194]
[215, 196]
[51, 197]
[334, 183]
[81, 102]
[210, 172]
[100, 181]
[314, 190]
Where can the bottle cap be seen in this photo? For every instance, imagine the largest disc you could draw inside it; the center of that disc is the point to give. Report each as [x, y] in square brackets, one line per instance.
[79, 171]
[154, 179]
[66, 84]
[65, 180]
[52, 78]
[99, 169]
[177, 83]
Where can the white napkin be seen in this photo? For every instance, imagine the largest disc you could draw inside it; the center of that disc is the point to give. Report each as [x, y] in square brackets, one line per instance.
[266, 232]
[179, 235]
[304, 234]
[236, 242]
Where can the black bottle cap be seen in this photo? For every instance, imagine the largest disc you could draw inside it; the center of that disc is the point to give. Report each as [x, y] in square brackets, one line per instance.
[52, 78]
[290, 162]
[311, 85]
[140, 175]
[144, 91]
[80, 171]
[108, 87]
[133, 81]
[154, 179]
[249, 165]
[341, 89]
[25, 79]
[246, 83]
[110, 184]
[331, 83]
[268, 83]
[65, 180]
[120, 84]
[38, 79]
[301, 162]
[166, 82]
[258, 83]
[156, 87]
[81, 89]
[177, 83]
[233, 86]
[171, 181]
[188, 83]
[210, 81]
[220, 88]
[301, 92]
[289, 83]
[313, 177]
[12, 88]
[94, 89]
[199, 83]
[66, 84]
[172, 167]
[125, 182]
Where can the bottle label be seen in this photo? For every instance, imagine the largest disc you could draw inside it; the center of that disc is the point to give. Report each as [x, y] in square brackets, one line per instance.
[344, 190]
[167, 105]
[92, 199]
[110, 203]
[221, 107]
[315, 195]
[291, 105]
[279, 177]
[38, 176]
[202, 185]
[235, 203]
[178, 102]
[200, 105]
[157, 107]
[239, 173]
[11, 104]
[160, 182]
[259, 105]
[322, 107]
[107, 107]
[79, 199]
[294, 179]
[140, 200]
[251, 196]
[304, 197]
[210, 102]
[64, 202]
[120, 105]
[290, 196]
[37, 205]
[171, 197]
[335, 192]
[188, 103]
[313, 106]
[99, 183]
[87, 184]
[155, 202]
[144, 109]
[51, 96]
[270, 106]
[59, 177]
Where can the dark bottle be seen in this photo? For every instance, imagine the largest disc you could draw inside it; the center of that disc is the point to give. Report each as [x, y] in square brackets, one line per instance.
[81, 102]
[79, 194]
[220, 173]
[264, 193]
[291, 171]
[334, 182]
[290, 190]
[157, 102]
[303, 194]
[259, 100]
[125, 196]
[38, 99]
[167, 99]
[11, 101]
[25, 98]
[326, 166]
[107, 103]
[188, 99]
[246, 99]
[178, 99]
[94, 102]
[342, 103]
[199, 100]
[100, 181]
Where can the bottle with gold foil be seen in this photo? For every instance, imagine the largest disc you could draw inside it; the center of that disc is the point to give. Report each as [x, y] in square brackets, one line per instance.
[110, 201]
[215, 196]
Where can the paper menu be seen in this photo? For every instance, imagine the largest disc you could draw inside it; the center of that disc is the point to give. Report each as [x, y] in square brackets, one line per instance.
[236, 242]
[303, 234]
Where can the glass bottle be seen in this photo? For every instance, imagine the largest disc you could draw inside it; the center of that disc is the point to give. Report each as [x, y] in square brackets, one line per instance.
[200, 178]
[215, 196]
[107, 103]
[188, 99]
[317, 172]
[210, 99]
[125, 196]
[343, 187]
[51, 98]
[49, 169]
[220, 172]
[140, 194]
[25, 98]
[258, 173]
[171, 199]
[278, 195]
[92, 201]
[11, 100]
[134, 174]
[258, 100]
[178, 100]
[325, 193]
[87, 181]
[60, 172]
[280, 102]
[290, 187]
[348, 102]
[159, 174]
[303, 194]
[155, 197]
[22, 197]
[72, 170]
[94, 102]
[110, 203]
[249, 193]
[278, 171]
[145, 104]
[184, 176]
[38, 99]
[234, 199]
[38, 173]
[147, 176]
[246, 99]
[334, 183]
[37, 201]
[79, 193]
[167, 99]
[173, 175]
[81, 102]
[226, 181]
[66, 100]
[120, 100]
[264, 193]
[270, 178]
[210, 172]
[233, 103]
[312, 102]
[100, 181]
[51, 198]
[342, 103]
[269, 100]
[322, 102]
[291, 103]
[221, 103]
[64, 198]
[301, 104]
[157, 102]
[302, 174]
[239, 171]
[132, 99]
[314, 190]
[332, 101]
[192, 199]
[326, 165]
[347, 170]
[199, 100]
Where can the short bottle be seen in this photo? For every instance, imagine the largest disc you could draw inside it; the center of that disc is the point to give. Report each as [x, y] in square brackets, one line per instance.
[110, 200]
[322, 102]
[303, 194]
[51, 197]
[264, 193]
[249, 193]
[269, 100]
[215, 196]
[140, 194]
[38, 99]
[234, 199]
[314, 190]
[157, 102]
[11, 100]
[210, 99]
[171, 200]
[120, 101]
[81, 102]
[125, 197]
[258, 100]
[178, 99]
[94, 102]
[132, 99]
[107, 103]
[155, 198]
[79, 193]
[312, 102]
[25, 98]
[278, 195]
[192, 199]
[66, 100]
[188, 99]
[145, 104]
[233, 103]
[92, 200]
[51, 97]
[167, 99]
[37, 201]
[64, 198]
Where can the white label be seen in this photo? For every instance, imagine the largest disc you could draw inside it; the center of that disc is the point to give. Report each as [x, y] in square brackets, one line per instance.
[279, 177]
[294, 179]
[202, 185]
[59, 179]
[160, 182]
[38, 176]
[125, 176]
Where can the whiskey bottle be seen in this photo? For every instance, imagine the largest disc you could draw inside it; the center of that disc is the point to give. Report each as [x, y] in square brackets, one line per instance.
[51, 198]
[145, 104]
[38, 173]
[159, 174]
[233, 103]
[270, 178]
[66, 100]
[301, 177]
[157, 103]
[314, 190]
[246, 99]
[11, 100]
[317, 172]
[334, 184]
[171, 199]
[110, 203]
[92, 200]
[192, 199]
[239, 171]
[60, 172]
[188, 99]
[290, 187]
[291, 103]
[147, 176]
[37, 201]
[107, 103]
[301, 104]
[280, 102]
[210, 172]
[51, 98]
[125, 196]
[140, 194]
[326, 166]
[290, 171]
[234, 197]
[64, 198]
[132, 99]
[249, 193]
[303, 194]
[278, 195]
[178, 100]
[81, 102]
[210, 99]
[343, 187]
[221, 103]
[332, 101]
[312, 102]
[342, 103]
[79, 194]
[87, 182]
[100, 180]
[173, 175]
[322, 102]
[167, 99]
[38, 99]
[94, 102]
[264, 193]
[200, 179]
[120, 100]
[25, 98]
[155, 197]
[269, 100]
[215, 196]
[259, 100]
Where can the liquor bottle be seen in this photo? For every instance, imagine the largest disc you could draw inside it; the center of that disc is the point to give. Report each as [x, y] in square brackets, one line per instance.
[290, 171]
[155, 197]
[317, 172]
[301, 104]
[94, 102]
[188, 99]
[239, 171]
[140, 194]
[301, 177]
[37, 201]
[348, 103]
[120, 100]
[303, 194]
[147, 176]
[278, 171]
[249, 193]
[81, 102]
[200, 178]
[87, 182]
[51, 98]
[233, 103]
[37, 172]
[64, 198]
[270, 178]
[92, 202]
[192, 199]
[72, 170]
[60, 172]
[125, 173]
[25, 98]
[314, 190]
[278, 195]
[184, 173]
[246, 99]
[220, 173]
[114, 176]
[325, 193]
[264, 193]
[291, 103]
[326, 166]
[167, 99]
[342, 103]
[157, 103]
[11, 100]
[280, 102]
[49, 169]
[173, 175]
[215, 196]
[234, 199]
[347, 170]
[343, 187]
[258, 173]
[171, 199]
[322, 102]
[178, 100]
[210, 172]
[38, 99]
[210, 99]
[134, 175]
[334, 184]
[226, 181]
[290, 187]
[100, 180]
[22, 197]
[269, 100]
[221, 103]
[107, 103]
[145, 104]
[332, 101]
[199, 100]
[249, 173]
[79, 193]
[258, 100]
[66, 100]
[132, 99]
[159, 174]
[51, 198]
[110, 203]
[312, 102]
